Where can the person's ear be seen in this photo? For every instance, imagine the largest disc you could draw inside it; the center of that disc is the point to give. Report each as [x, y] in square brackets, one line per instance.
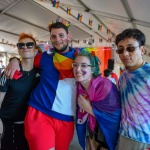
[142, 50]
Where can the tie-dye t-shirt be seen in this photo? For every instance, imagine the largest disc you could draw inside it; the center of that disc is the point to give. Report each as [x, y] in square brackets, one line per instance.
[135, 98]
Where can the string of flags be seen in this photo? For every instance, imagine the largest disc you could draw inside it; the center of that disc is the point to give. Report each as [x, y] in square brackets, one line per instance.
[108, 31]
[90, 22]
[56, 4]
[109, 40]
[79, 17]
[7, 43]
[69, 10]
[100, 27]
[92, 40]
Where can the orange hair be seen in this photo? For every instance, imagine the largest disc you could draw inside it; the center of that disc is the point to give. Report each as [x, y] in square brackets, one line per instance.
[25, 35]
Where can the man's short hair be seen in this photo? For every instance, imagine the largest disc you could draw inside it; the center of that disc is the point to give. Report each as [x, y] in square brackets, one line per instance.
[58, 25]
[107, 72]
[131, 33]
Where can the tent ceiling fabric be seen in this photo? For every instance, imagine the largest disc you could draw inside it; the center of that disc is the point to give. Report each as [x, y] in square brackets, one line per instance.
[33, 16]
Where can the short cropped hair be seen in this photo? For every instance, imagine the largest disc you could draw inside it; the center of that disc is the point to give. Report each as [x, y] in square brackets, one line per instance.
[58, 25]
[131, 33]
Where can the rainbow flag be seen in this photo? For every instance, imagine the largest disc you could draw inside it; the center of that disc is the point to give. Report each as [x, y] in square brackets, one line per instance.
[55, 4]
[100, 27]
[108, 31]
[79, 17]
[68, 10]
[109, 40]
[90, 22]
[63, 65]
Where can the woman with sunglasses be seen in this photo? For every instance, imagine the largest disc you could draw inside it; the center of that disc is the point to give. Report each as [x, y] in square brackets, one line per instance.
[134, 87]
[98, 104]
[14, 96]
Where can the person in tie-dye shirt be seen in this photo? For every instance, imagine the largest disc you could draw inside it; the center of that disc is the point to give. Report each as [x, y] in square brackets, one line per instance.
[134, 87]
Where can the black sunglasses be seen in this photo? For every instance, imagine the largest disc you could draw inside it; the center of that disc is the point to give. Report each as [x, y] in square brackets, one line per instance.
[29, 45]
[120, 50]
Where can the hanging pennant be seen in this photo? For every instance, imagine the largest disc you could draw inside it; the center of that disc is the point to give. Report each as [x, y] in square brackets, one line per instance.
[68, 10]
[84, 41]
[79, 17]
[109, 40]
[101, 40]
[90, 22]
[108, 31]
[77, 41]
[55, 4]
[100, 27]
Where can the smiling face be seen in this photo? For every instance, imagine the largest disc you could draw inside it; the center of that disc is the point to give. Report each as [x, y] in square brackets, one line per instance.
[131, 60]
[28, 51]
[82, 69]
[60, 39]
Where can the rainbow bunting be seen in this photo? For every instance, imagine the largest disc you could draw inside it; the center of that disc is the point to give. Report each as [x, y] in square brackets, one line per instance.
[79, 17]
[109, 40]
[90, 22]
[55, 4]
[100, 27]
[68, 10]
[108, 31]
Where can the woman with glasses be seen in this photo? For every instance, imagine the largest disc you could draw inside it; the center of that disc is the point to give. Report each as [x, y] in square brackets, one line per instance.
[98, 104]
[14, 96]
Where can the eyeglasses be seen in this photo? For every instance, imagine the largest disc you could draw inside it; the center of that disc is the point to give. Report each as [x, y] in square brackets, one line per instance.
[120, 50]
[83, 65]
[29, 45]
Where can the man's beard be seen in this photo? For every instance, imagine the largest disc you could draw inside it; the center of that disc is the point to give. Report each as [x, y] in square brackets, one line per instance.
[63, 49]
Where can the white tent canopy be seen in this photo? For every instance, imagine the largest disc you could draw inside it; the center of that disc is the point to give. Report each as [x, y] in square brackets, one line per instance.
[33, 16]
